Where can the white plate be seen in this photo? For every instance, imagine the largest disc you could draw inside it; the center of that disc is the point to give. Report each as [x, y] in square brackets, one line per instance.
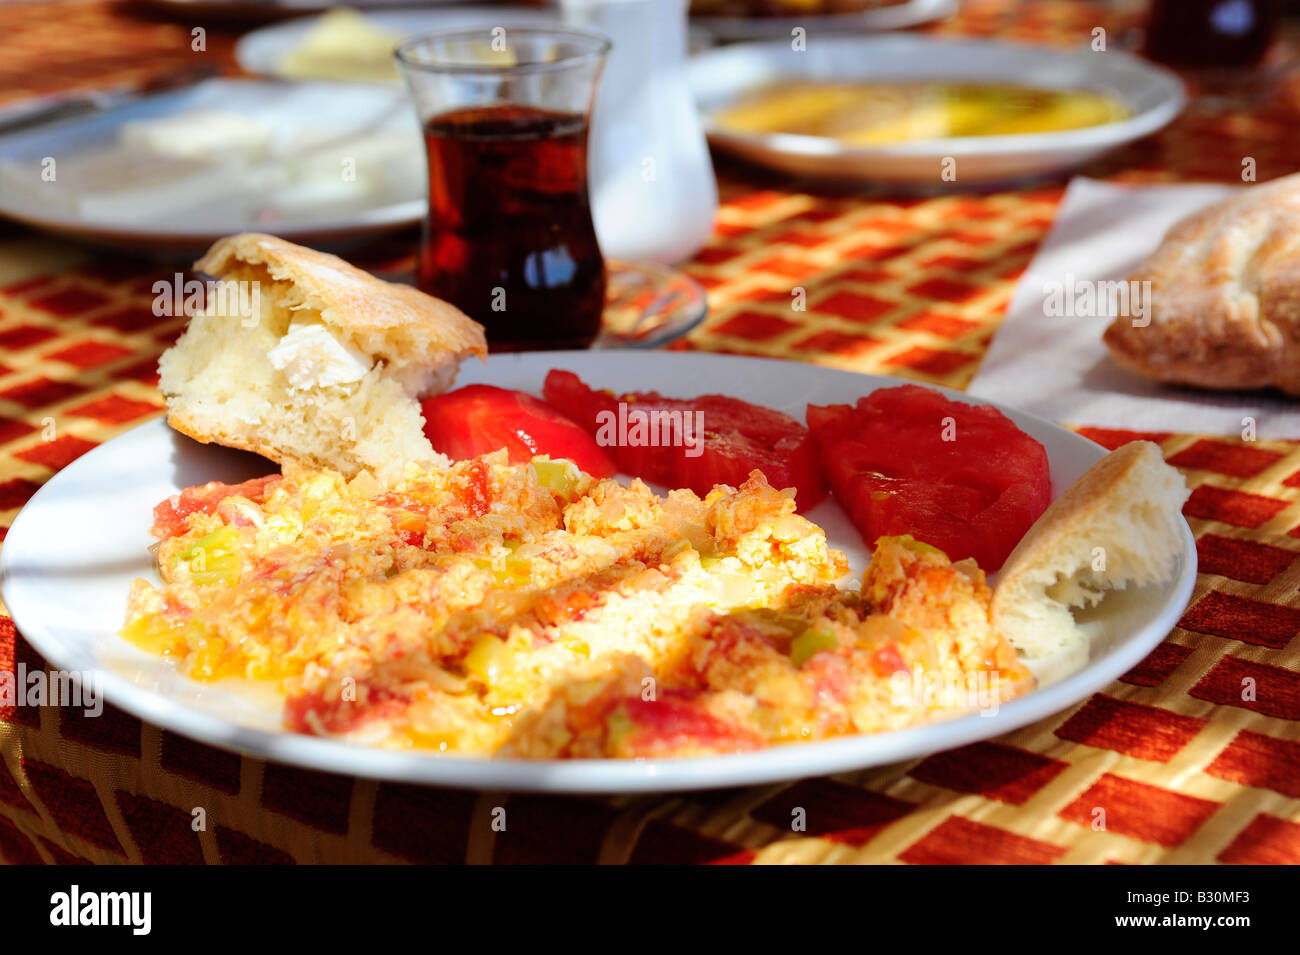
[289, 107]
[71, 554]
[894, 17]
[264, 49]
[718, 77]
[278, 8]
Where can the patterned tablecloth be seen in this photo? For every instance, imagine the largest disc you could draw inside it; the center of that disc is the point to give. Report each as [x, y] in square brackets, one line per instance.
[1184, 767]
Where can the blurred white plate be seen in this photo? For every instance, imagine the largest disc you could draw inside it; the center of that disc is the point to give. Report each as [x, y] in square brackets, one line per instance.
[292, 109]
[278, 8]
[894, 17]
[68, 561]
[719, 77]
[262, 50]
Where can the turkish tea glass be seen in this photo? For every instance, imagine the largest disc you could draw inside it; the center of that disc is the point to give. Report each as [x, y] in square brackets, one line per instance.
[509, 237]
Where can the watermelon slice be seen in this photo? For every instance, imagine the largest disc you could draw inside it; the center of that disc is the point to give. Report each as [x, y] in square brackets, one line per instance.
[735, 438]
[908, 460]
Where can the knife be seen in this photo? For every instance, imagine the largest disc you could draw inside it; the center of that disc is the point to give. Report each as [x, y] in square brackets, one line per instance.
[63, 105]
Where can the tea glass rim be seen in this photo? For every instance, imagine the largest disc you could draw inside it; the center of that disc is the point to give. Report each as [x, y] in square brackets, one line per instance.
[602, 45]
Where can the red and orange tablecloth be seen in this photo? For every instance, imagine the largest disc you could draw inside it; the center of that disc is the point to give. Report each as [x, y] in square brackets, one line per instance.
[1185, 768]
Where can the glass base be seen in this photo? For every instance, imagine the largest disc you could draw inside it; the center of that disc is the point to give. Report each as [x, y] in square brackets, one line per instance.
[648, 305]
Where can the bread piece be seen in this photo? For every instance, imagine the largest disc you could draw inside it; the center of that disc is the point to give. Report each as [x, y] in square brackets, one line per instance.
[1224, 303]
[329, 370]
[1121, 523]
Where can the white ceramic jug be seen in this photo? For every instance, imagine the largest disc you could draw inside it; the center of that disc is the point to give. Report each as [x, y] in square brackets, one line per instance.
[653, 193]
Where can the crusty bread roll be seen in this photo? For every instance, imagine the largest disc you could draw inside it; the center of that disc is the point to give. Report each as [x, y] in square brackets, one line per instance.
[329, 370]
[1224, 304]
[1119, 524]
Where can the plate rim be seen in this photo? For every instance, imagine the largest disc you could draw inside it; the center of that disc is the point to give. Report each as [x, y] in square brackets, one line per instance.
[877, 20]
[1104, 136]
[599, 776]
[251, 44]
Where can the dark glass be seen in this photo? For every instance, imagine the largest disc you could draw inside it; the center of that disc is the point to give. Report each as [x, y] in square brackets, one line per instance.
[1210, 33]
[510, 238]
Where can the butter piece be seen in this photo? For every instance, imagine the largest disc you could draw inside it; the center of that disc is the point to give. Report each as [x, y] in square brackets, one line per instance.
[200, 133]
[343, 45]
[310, 357]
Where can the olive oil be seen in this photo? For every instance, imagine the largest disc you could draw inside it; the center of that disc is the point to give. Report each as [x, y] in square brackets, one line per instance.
[875, 114]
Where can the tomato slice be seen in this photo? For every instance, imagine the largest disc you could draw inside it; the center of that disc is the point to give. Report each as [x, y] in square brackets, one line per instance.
[641, 728]
[170, 517]
[960, 477]
[693, 442]
[479, 419]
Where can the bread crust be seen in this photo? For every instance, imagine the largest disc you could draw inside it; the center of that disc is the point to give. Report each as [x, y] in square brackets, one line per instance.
[213, 434]
[1224, 303]
[349, 297]
[1094, 492]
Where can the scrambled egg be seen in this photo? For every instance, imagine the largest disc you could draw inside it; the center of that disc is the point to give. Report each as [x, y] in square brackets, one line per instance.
[532, 611]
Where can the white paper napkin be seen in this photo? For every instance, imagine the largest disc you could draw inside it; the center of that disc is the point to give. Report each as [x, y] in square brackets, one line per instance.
[1057, 367]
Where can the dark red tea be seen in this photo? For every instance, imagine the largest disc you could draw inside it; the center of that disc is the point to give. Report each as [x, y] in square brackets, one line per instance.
[510, 239]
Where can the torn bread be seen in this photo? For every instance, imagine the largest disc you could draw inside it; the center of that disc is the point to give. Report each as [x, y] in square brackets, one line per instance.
[1121, 523]
[1224, 302]
[304, 359]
